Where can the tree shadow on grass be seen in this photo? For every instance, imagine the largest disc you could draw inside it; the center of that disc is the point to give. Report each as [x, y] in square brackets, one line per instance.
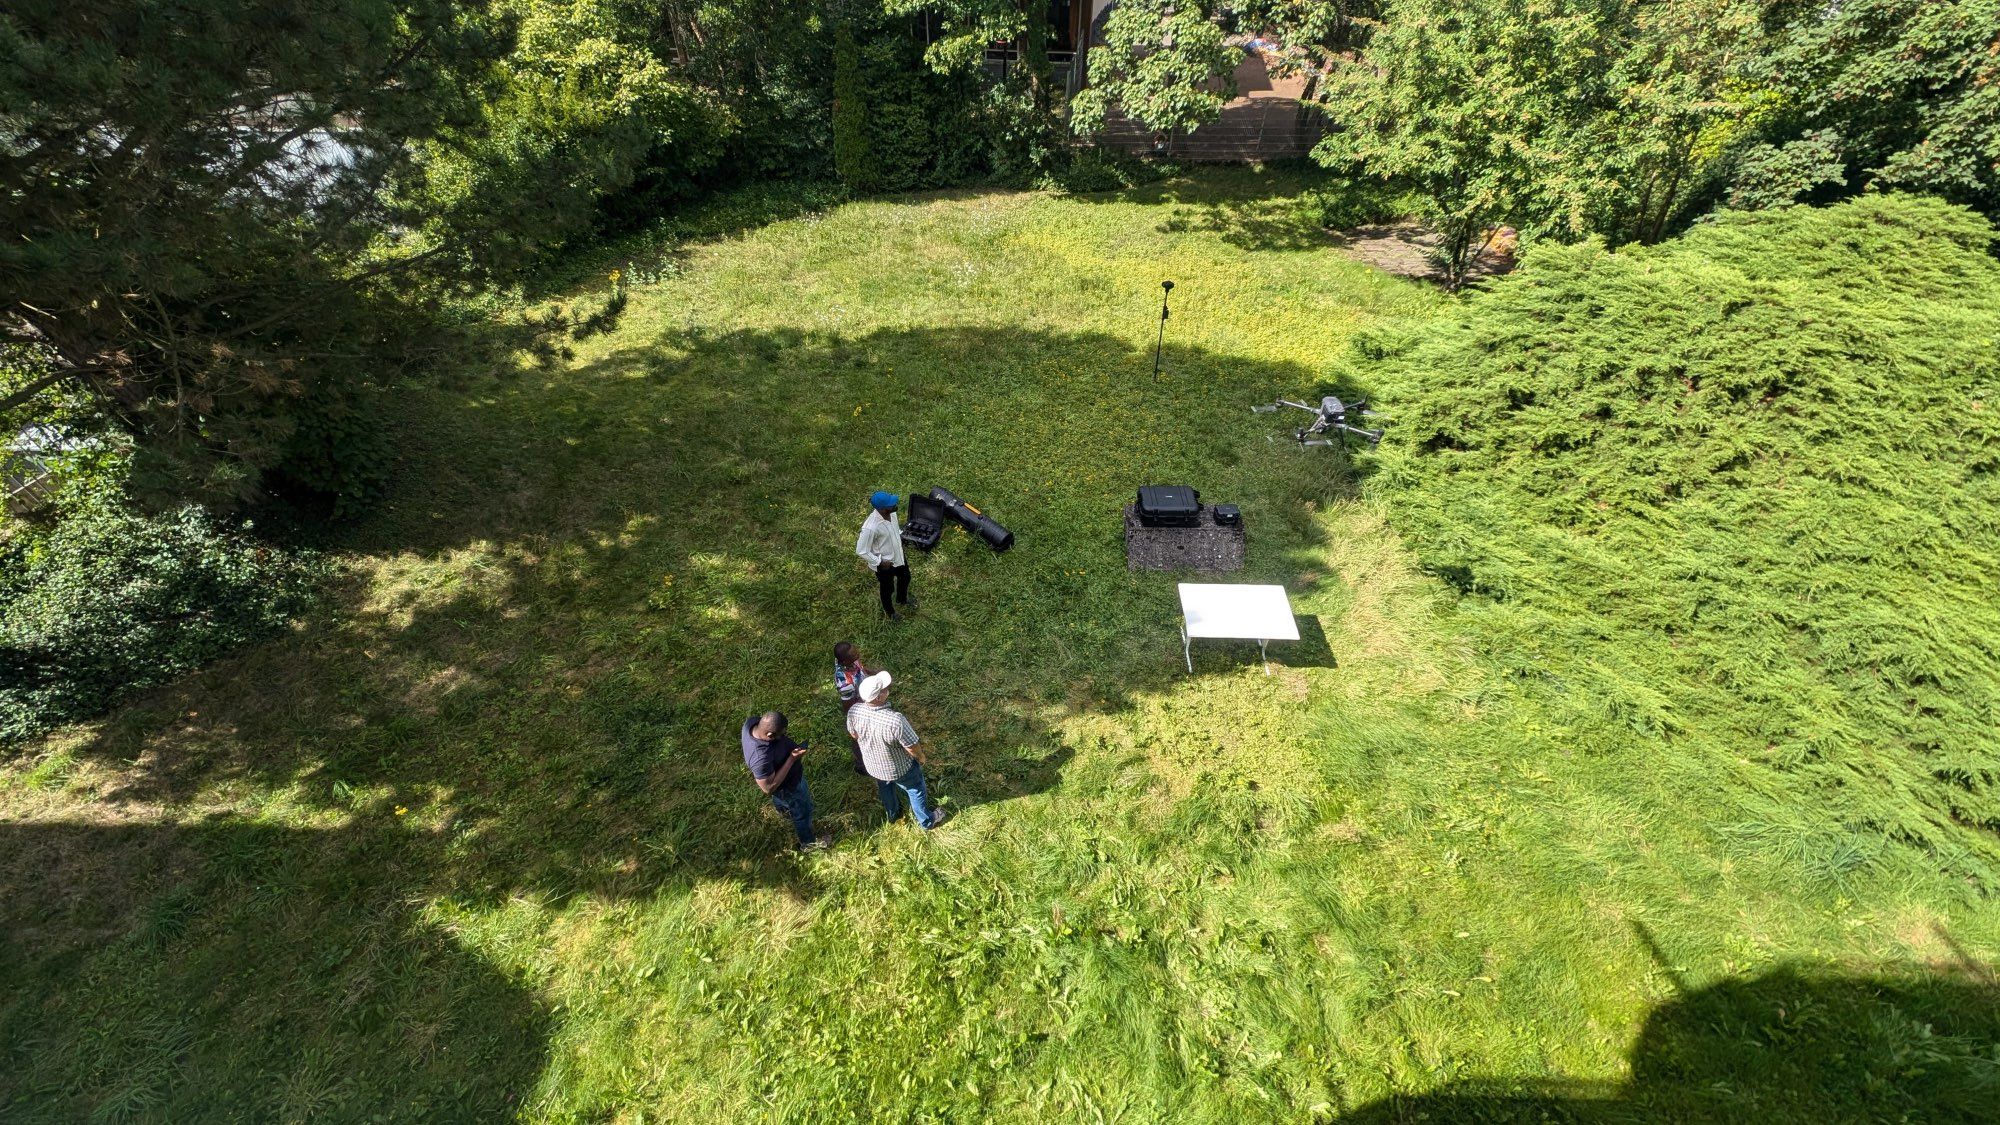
[1248, 208]
[584, 583]
[1798, 1044]
[592, 576]
[1251, 224]
[238, 972]
[1217, 184]
[656, 243]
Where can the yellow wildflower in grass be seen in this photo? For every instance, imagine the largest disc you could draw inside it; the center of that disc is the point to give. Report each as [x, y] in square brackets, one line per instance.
[400, 810]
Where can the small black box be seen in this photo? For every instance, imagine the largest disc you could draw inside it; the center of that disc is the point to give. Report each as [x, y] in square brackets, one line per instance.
[1228, 515]
[1169, 505]
[924, 523]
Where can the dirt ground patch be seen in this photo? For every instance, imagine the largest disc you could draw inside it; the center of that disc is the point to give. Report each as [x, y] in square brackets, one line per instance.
[1405, 249]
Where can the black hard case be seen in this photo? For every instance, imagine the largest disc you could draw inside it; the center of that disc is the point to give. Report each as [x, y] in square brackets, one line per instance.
[1169, 505]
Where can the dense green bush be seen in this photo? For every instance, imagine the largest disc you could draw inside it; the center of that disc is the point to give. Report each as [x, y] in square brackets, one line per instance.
[851, 159]
[1739, 491]
[1090, 169]
[924, 129]
[1768, 175]
[583, 118]
[1024, 142]
[898, 125]
[1895, 94]
[339, 447]
[109, 602]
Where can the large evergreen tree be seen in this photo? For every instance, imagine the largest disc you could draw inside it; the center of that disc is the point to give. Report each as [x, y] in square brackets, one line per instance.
[213, 228]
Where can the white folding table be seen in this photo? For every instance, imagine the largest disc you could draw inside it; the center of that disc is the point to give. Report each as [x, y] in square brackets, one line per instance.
[1236, 612]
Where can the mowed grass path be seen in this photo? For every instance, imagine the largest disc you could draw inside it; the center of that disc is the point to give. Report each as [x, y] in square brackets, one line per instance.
[478, 842]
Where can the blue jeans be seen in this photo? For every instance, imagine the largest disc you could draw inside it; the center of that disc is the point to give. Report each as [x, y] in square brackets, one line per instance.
[797, 803]
[911, 788]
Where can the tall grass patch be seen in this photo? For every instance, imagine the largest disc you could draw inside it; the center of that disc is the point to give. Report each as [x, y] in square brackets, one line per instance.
[1734, 497]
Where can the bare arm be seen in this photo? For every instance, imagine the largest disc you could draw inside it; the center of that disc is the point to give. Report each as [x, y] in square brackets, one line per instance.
[771, 783]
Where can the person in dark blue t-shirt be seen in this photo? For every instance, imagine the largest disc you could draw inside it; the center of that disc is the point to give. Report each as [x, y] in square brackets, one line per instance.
[774, 761]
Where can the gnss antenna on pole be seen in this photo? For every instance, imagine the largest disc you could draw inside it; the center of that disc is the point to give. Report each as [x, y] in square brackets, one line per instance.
[1166, 290]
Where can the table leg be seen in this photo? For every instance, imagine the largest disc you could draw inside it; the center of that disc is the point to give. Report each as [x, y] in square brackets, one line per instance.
[1187, 648]
[1266, 654]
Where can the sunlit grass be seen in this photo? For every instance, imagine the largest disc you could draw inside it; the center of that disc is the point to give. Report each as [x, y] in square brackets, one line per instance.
[1162, 898]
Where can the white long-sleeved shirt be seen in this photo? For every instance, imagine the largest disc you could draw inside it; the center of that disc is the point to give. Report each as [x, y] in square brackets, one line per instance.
[880, 541]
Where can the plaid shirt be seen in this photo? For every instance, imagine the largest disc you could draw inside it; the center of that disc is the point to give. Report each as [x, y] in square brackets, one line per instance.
[884, 735]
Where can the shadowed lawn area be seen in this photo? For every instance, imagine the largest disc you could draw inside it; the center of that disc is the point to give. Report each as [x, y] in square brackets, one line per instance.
[478, 842]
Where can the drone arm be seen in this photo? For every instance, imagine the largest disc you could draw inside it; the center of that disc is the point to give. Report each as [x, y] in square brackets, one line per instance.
[1273, 408]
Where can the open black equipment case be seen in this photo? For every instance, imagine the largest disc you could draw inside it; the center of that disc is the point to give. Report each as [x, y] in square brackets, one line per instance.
[923, 523]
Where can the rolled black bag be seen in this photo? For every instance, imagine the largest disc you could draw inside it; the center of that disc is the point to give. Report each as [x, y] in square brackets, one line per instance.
[974, 520]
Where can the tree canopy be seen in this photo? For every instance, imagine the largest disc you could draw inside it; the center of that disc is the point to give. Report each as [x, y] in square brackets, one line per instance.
[1622, 118]
[233, 225]
[1485, 108]
[1908, 89]
[213, 210]
[1166, 63]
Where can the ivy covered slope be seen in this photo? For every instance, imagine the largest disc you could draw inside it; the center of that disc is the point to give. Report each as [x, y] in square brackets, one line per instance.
[1737, 492]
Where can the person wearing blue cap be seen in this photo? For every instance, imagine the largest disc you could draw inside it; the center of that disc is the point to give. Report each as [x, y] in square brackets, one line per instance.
[880, 545]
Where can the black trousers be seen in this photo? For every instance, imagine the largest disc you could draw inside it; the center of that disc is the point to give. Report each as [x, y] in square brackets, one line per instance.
[893, 580]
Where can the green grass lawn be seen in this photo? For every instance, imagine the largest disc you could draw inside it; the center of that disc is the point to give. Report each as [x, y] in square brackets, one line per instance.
[478, 841]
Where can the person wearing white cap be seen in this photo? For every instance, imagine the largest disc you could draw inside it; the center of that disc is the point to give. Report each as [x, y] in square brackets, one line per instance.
[889, 753]
[880, 545]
